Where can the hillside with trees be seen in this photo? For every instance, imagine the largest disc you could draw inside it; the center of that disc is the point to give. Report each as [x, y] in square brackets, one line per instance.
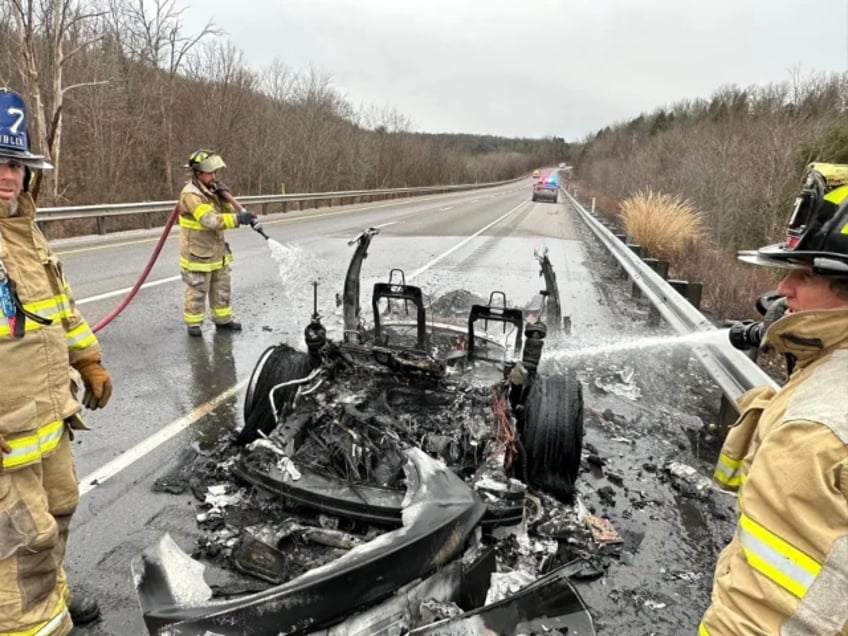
[120, 93]
[738, 156]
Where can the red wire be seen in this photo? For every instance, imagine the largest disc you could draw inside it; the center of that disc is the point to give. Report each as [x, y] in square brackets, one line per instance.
[126, 301]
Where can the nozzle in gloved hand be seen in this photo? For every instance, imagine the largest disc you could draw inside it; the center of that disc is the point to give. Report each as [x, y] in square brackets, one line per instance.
[98, 382]
[748, 334]
[257, 227]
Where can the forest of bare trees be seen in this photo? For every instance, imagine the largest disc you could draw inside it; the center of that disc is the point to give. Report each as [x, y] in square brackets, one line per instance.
[121, 92]
[739, 156]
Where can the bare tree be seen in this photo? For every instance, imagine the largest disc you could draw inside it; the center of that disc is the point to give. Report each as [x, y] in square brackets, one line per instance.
[49, 33]
[152, 34]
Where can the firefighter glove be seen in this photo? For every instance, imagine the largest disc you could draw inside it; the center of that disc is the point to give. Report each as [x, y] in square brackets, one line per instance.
[98, 382]
[246, 218]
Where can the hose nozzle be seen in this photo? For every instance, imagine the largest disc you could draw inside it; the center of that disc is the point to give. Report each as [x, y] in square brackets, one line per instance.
[256, 226]
[747, 334]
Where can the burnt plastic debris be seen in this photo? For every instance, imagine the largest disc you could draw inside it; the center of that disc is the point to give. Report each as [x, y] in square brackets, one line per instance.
[439, 512]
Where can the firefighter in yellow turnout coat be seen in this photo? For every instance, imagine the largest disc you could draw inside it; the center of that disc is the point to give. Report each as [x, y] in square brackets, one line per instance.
[205, 256]
[45, 345]
[786, 570]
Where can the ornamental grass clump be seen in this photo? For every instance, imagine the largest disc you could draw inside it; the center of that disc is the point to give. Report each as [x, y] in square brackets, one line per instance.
[664, 224]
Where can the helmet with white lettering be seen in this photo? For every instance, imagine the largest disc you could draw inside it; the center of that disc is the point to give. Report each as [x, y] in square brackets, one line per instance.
[14, 136]
[205, 161]
[817, 230]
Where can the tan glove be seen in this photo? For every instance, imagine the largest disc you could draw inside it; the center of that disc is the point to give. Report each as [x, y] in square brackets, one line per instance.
[98, 382]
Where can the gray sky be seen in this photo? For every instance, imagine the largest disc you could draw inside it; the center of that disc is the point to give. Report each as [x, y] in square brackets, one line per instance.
[534, 67]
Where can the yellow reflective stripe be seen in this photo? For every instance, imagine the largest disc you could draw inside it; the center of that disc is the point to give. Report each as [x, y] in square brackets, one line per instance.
[230, 221]
[30, 448]
[202, 210]
[193, 319]
[702, 630]
[80, 337]
[222, 312]
[776, 559]
[728, 471]
[190, 224]
[48, 627]
[55, 308]
[836, 195]
[30, 325]
[195, 266]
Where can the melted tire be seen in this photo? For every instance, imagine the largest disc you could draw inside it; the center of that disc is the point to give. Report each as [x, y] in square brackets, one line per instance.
[552, 434]
[276, 365]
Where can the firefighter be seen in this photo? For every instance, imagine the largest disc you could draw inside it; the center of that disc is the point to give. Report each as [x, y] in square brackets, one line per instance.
[46, 347]
[205, 257]
[786, 569]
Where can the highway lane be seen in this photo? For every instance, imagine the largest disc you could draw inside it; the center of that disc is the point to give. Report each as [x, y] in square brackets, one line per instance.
[481, 241]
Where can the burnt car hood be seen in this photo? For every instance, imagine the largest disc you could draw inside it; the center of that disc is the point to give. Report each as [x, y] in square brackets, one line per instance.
[439, 512]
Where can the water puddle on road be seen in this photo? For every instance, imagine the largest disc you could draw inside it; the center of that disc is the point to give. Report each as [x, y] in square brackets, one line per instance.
[716, 337]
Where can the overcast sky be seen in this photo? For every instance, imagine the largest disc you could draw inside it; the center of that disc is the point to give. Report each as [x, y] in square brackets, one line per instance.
[534, 67]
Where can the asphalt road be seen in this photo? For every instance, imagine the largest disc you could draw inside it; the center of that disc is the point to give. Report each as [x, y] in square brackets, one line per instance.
[643, 408]
[172, 391]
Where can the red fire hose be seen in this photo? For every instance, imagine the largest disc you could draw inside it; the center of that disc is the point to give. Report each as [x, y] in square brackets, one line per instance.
[126, 301]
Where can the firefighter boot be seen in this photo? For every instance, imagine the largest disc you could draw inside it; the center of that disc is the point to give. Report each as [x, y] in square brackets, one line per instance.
[228, 326]
[83, 609]
[194, 331]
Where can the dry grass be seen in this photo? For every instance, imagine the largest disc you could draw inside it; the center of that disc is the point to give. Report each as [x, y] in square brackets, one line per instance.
[664, 224]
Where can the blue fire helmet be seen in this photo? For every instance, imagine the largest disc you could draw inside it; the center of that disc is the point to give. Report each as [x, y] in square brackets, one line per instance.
[14, 137]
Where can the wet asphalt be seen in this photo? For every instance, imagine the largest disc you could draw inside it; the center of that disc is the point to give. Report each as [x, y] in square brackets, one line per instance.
[166, 382]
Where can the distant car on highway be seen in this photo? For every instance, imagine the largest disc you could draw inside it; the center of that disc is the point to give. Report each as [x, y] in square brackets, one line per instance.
[562, 165]
[536, 174]
[546, 189]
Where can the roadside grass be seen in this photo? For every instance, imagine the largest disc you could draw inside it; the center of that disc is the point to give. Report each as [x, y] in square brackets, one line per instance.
[730, 287]
[664, 224]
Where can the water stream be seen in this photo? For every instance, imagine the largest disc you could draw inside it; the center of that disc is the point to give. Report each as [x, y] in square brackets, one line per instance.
[714, 336]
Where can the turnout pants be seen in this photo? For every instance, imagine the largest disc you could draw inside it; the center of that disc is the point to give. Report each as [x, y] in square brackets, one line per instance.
[199, 285]
[36, 505]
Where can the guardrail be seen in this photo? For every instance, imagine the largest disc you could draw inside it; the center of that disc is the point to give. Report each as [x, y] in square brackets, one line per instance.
[284, 203]
[732, 370]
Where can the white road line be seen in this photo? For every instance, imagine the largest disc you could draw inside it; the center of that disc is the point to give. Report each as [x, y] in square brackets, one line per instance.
[125, 290]
[112, 468]
[149, 444]
[450, 207]
[387, 224]
[463, 242]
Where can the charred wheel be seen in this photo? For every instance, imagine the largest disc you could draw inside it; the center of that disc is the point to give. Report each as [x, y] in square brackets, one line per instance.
[552, 434]
[277, 365]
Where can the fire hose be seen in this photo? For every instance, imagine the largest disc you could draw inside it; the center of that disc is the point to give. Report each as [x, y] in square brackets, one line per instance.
[172, 218]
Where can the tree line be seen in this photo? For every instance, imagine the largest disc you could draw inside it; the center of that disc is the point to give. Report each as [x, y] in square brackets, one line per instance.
[739, 156]
[120, 92]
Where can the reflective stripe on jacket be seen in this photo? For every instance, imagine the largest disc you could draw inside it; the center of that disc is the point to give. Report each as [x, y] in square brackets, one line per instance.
[786, 570]
[34, 406]
[203, 219]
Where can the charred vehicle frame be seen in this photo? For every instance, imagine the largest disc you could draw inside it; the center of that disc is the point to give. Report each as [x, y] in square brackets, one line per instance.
[425, 426]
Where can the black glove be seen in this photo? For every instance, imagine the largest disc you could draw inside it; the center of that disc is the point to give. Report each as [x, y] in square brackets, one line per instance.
[246, 218]
[219, 188]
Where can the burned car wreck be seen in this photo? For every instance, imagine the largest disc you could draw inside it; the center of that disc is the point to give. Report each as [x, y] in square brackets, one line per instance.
[414, 477]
